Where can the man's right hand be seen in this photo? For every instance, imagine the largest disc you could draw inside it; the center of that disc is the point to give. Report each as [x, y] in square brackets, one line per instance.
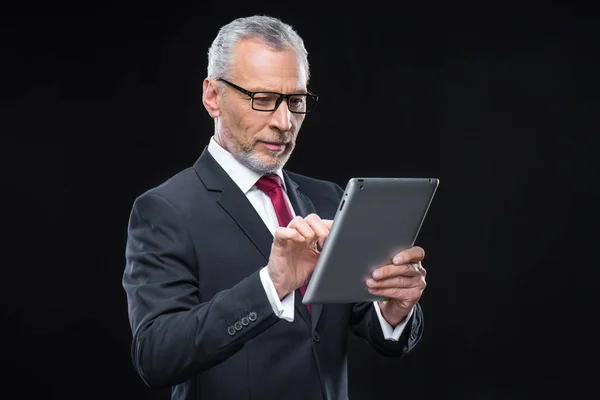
[294, 252]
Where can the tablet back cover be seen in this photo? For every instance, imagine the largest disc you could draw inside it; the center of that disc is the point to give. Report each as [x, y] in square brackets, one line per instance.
[376, 218]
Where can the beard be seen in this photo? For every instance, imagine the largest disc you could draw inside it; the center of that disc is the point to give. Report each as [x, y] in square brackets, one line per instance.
[262, 163]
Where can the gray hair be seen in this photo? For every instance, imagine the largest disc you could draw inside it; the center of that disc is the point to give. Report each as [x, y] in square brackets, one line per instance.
[272, 31]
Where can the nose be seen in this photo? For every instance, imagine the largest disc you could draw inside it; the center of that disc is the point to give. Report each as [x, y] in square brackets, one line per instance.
[282, 117]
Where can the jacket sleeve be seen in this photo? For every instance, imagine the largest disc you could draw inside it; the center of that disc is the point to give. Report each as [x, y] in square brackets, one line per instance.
[174, 335]
[365, 324]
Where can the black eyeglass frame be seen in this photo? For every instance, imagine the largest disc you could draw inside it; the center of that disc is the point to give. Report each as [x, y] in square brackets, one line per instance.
[279, 100]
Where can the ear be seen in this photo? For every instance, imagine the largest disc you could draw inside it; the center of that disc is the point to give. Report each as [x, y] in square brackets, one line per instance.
[210, 97]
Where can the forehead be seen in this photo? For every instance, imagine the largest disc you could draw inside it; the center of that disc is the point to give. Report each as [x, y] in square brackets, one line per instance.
[260, 67]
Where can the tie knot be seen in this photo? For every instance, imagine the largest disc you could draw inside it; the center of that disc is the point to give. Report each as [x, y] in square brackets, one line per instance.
[266, 183]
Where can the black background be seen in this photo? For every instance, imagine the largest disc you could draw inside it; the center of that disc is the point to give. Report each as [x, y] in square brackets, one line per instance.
[101, 101]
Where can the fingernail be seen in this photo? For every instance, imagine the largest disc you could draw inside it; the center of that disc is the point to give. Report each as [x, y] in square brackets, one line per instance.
[397, 260]
[370, 282]
[376, 274]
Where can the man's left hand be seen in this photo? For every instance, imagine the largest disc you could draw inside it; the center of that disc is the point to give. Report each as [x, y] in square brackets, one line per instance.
[402, 282]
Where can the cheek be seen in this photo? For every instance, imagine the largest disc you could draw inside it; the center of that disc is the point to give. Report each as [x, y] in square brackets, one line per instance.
[249, 127]
[241, 125]
[235, 116]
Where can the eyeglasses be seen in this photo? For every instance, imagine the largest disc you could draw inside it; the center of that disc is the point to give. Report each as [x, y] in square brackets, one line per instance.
[298, 103]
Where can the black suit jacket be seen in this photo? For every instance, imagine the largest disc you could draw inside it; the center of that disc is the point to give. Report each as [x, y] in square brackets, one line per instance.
[200, 318]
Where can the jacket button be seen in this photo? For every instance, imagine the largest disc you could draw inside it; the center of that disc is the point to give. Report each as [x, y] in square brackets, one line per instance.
[316, 337]
[238, 326]
[252, 316]
[231, 330]
[245, 321]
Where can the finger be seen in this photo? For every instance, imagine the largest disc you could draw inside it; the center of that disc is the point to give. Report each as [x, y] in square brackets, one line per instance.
[319, 227]
[412, 254]
[408, 294]
[328, 223]
[397, 282]
[284, 234]
[304, 228]
[313, 216]
[294, 221]
[391, 270]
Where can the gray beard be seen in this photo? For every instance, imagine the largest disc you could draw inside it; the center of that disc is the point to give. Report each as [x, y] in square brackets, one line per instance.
[250, 160]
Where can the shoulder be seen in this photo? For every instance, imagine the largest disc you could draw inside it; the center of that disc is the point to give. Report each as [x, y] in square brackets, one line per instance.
[317, 189]
[307, 182]
[178, 190]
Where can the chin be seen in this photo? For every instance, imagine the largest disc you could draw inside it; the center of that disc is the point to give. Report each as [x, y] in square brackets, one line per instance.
[257, 163]
[267, 163]
[273, 163]
[262, 160]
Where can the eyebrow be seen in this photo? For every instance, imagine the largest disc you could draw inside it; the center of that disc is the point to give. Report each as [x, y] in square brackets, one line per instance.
[264, 89]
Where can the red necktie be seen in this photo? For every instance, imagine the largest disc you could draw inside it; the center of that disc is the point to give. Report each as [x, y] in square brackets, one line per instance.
[271, 185]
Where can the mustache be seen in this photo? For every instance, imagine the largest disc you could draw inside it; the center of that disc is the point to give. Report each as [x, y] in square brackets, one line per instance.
[282, 138]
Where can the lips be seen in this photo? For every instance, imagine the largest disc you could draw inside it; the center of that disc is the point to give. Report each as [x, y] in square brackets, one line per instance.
[273, 146]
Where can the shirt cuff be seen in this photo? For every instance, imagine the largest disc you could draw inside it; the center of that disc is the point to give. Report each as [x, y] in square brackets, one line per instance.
[390, 333]
[284, 308]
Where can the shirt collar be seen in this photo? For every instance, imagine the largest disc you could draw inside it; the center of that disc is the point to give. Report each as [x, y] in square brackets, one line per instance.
[243, 176]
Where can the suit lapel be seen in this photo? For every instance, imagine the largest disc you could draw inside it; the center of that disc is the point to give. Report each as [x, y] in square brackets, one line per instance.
[303, 206]
[234, 202]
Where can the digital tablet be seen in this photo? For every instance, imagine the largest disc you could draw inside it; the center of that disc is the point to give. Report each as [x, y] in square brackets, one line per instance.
[376, 218]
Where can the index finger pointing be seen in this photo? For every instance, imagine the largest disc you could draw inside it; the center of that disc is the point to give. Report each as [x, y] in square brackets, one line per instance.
[320, 228]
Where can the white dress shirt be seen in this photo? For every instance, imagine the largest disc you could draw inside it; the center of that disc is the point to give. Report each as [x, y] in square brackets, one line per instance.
[246, 179]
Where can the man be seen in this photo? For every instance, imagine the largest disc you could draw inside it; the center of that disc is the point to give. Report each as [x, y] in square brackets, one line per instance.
[216, 262]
